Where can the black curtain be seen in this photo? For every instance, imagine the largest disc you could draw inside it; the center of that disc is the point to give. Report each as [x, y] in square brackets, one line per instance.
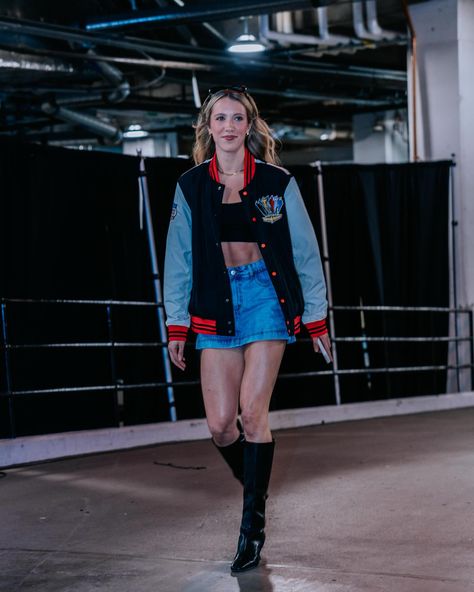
[69, 228]
[388, 245]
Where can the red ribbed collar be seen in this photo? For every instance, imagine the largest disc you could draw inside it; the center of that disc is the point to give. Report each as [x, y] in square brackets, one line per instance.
[249, 167]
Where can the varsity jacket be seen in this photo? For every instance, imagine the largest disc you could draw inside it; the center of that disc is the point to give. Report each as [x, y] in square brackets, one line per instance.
[197, 291]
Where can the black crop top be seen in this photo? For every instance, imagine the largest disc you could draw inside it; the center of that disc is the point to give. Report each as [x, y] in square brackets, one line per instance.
[234, 224]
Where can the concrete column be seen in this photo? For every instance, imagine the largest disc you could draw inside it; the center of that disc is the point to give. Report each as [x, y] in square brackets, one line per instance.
[445, 89]
[381, 137]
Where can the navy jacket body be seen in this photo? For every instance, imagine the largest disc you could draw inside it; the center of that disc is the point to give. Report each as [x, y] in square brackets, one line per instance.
[197, 287]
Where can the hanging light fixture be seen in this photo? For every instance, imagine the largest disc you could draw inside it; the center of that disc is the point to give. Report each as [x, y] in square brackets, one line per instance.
[246, 43]
[135, 131]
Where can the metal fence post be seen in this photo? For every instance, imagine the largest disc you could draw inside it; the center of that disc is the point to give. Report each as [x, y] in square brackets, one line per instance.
[8, 376]
[327, 270]
[113, 365]
[145, 200]
[453, 274]
[471, 342]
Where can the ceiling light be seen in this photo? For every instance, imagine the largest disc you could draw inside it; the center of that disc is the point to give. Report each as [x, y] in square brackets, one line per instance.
[246, 43]
[135, 131]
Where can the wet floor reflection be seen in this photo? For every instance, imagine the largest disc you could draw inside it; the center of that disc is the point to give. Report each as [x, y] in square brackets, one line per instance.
[222, 580]
[255, 580]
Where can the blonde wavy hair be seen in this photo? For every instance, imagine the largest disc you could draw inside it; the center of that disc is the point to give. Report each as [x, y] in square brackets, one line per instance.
[259, 141]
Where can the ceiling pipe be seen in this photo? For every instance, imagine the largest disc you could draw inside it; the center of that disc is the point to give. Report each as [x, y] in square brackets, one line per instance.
[374, 32]
[217, 34]
[79, 100]
[153, 104]
[101, 128]
[115, 77]
[195, 89]
[52, 60]
[284, 25]
[373, 24]
[70, 34]
[324, 33]
[358, 21]
[300, 39]
[303, 134]
[211, 58]
[284, 22]
[320, 97]
[183, 30]
[148, 104]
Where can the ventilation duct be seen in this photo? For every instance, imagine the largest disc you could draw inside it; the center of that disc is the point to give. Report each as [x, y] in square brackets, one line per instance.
[16, 61]
[101, 128]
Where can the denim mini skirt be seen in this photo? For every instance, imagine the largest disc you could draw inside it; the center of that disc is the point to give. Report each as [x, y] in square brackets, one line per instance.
[257, 312]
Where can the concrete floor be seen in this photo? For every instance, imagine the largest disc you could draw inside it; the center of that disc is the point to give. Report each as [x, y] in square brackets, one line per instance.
[375, 505]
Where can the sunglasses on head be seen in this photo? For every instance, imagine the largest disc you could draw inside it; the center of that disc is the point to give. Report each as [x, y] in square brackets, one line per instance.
[239, 88]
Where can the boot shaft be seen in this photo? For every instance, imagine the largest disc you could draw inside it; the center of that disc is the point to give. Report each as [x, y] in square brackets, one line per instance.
[258, 460]
[234, 456]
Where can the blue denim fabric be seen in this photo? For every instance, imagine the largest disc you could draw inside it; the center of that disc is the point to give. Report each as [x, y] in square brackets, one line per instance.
[257, 312]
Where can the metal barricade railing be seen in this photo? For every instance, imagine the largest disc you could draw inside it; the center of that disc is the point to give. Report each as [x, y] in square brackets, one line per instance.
[386, 339]
[117, 384]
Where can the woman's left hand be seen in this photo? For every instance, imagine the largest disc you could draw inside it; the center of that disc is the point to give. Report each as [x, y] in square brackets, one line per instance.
[326, 343]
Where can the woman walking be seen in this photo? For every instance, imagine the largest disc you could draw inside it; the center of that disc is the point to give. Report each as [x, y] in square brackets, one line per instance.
[243, 270]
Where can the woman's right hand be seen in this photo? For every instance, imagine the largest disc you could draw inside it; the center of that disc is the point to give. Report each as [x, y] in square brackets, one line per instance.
[176, 351]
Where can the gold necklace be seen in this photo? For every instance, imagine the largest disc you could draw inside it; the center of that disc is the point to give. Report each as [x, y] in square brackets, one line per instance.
[230, 174]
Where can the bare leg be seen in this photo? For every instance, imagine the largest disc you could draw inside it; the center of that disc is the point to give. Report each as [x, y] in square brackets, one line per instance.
[262, 362]
[221, 375]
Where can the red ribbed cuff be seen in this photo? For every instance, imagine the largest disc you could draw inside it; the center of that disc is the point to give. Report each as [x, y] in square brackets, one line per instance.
[177, 333]
[316, 328]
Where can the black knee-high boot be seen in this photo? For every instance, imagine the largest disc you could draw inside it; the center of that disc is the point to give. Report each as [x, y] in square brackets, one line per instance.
[233, 455]
[258, 458]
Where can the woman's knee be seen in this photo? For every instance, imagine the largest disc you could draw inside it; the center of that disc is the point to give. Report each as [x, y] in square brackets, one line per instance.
[223, 430]
[255, 423]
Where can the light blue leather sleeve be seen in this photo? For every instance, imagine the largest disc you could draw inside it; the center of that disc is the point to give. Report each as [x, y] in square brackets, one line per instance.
[306, 255]
[178, 262]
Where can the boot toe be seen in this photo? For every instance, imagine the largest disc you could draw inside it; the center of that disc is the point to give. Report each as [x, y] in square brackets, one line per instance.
[248, 554]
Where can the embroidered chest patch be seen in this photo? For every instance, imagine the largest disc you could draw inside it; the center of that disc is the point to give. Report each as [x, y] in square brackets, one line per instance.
[270, 207]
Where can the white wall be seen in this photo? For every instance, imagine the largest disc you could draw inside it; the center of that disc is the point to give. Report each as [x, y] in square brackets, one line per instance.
[445, 130]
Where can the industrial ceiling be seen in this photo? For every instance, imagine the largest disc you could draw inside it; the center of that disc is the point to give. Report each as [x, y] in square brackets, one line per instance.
[88, 70]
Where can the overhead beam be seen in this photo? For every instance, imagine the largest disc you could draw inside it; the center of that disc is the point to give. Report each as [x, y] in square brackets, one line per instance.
[172, 17]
